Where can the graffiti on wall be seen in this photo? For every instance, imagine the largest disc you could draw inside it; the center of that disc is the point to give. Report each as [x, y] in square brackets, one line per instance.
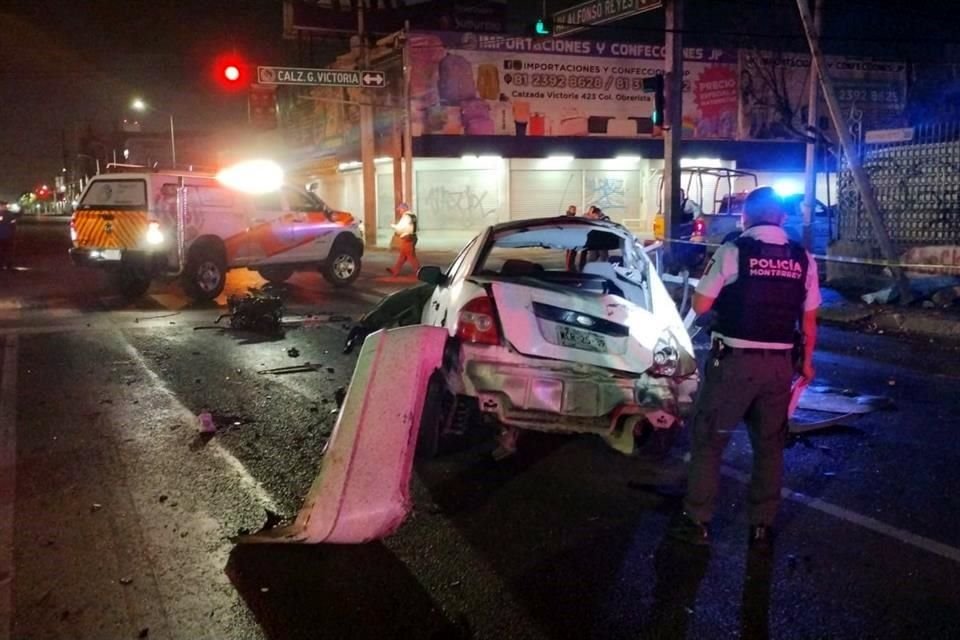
[447, 204]
[606, 192]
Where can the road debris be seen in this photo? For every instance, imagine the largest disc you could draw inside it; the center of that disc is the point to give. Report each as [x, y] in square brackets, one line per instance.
[126, 581]
[297, 368]
[206, 423]
[254, 312]
[96, 506]
[293, 352]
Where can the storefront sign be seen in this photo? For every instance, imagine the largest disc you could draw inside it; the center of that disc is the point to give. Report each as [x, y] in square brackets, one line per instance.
[477, 84]
[774, 93]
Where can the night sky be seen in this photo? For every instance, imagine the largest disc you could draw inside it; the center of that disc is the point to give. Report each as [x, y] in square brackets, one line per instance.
[70, 62]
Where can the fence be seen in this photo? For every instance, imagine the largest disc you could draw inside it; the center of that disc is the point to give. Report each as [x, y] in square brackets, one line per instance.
[917, 185]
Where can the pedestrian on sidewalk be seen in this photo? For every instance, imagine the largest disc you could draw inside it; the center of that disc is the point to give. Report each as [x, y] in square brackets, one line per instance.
[405, 230]
[762, 286]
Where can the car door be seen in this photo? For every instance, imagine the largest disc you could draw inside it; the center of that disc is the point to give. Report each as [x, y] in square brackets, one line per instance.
[436, 311]
[268, 235]
[312, 230]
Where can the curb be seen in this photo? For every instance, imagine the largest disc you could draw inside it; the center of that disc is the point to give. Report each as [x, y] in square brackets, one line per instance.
[932, 325]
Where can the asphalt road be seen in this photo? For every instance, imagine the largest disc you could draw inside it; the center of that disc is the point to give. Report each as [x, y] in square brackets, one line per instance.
[116, 515]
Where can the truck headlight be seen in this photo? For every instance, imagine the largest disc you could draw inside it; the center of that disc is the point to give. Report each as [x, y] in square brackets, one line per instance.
[154, 234]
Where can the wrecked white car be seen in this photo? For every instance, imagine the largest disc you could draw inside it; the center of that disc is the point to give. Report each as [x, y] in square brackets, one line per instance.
[537, 341]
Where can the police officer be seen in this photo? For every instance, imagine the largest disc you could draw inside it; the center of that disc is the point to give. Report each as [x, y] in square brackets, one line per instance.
[763, 288]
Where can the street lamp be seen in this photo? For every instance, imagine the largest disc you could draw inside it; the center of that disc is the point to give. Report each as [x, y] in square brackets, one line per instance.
[141, 106]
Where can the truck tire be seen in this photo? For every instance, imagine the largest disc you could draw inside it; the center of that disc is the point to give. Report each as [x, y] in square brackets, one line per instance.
[205, 273]
[130, 283]
[343, 264]
[275, 275]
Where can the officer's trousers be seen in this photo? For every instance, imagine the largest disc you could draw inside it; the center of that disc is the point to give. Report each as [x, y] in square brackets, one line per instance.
[748, 385]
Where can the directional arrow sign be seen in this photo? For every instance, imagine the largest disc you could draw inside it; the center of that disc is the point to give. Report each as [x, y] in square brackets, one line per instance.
[306, 77]
[373, 79]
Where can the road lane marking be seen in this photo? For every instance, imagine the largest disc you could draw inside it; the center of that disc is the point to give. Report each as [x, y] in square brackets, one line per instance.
[8, 481]
[867, 522]
[260, 494]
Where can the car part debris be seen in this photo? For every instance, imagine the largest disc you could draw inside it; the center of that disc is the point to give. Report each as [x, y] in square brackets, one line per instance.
[297, 368]
[206, 423]
[399, 309]
[362, 492]
[254, 312]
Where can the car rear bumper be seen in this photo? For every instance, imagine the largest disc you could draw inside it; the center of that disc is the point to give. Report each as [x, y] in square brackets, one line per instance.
[118, 259]
[561, 396]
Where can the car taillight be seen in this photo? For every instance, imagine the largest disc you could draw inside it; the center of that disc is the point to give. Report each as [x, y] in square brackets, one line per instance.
[698, 226]
[477, 322]
[73, 230]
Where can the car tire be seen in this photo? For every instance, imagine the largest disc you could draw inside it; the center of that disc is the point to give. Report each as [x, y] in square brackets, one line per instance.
[275, 275]
[206, 272]
[436, 409]
[343, 265]
[130, 283]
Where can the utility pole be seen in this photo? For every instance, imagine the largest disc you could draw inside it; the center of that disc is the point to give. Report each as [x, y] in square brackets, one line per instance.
[810, 186]
[407, 120]
[367, 146]
[673, 125]
[859, 175]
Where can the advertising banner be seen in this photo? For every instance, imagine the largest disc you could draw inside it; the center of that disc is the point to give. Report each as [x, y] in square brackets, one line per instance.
[482, 84]
[774, 92]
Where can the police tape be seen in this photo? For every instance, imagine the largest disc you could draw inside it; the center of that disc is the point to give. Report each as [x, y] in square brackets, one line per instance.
[919, 267]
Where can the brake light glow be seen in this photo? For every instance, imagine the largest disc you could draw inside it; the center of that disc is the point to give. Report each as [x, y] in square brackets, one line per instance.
[477, 322]
[73, 230]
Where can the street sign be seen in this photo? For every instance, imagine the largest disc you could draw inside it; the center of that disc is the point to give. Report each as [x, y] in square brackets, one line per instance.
[306, 77]
[594, 12]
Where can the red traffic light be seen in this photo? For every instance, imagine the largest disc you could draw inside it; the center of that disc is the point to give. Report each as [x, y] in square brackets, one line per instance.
[230, 72]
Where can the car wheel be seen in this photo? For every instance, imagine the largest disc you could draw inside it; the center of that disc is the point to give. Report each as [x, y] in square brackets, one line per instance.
[436, 409]
[342, 266]
[206, 273]
[130, 283]
[275, 275]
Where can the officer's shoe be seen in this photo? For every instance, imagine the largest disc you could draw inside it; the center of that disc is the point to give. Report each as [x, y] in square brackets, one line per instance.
[686, 528]
[761, 539]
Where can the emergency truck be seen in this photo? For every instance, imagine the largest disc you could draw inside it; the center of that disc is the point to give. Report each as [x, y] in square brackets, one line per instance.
[141, 225]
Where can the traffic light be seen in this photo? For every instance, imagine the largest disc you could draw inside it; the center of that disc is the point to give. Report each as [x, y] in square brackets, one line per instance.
[655, 85]
[262, 106]
[230, 72]
[543, 28]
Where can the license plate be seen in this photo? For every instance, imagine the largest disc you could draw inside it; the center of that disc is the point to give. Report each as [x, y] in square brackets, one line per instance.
[579, 339]
[110, 254]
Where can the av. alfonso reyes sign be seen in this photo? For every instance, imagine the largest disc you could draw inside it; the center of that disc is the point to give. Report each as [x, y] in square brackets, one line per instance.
[478, 84]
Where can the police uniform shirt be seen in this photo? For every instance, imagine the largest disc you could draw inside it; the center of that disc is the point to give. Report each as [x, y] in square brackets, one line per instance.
[723, 268]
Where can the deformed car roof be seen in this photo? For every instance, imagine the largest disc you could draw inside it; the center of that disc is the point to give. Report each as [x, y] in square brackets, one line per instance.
[516, 225]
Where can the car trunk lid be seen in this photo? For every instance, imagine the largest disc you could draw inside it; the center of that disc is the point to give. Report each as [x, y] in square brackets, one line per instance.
[589, 328]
